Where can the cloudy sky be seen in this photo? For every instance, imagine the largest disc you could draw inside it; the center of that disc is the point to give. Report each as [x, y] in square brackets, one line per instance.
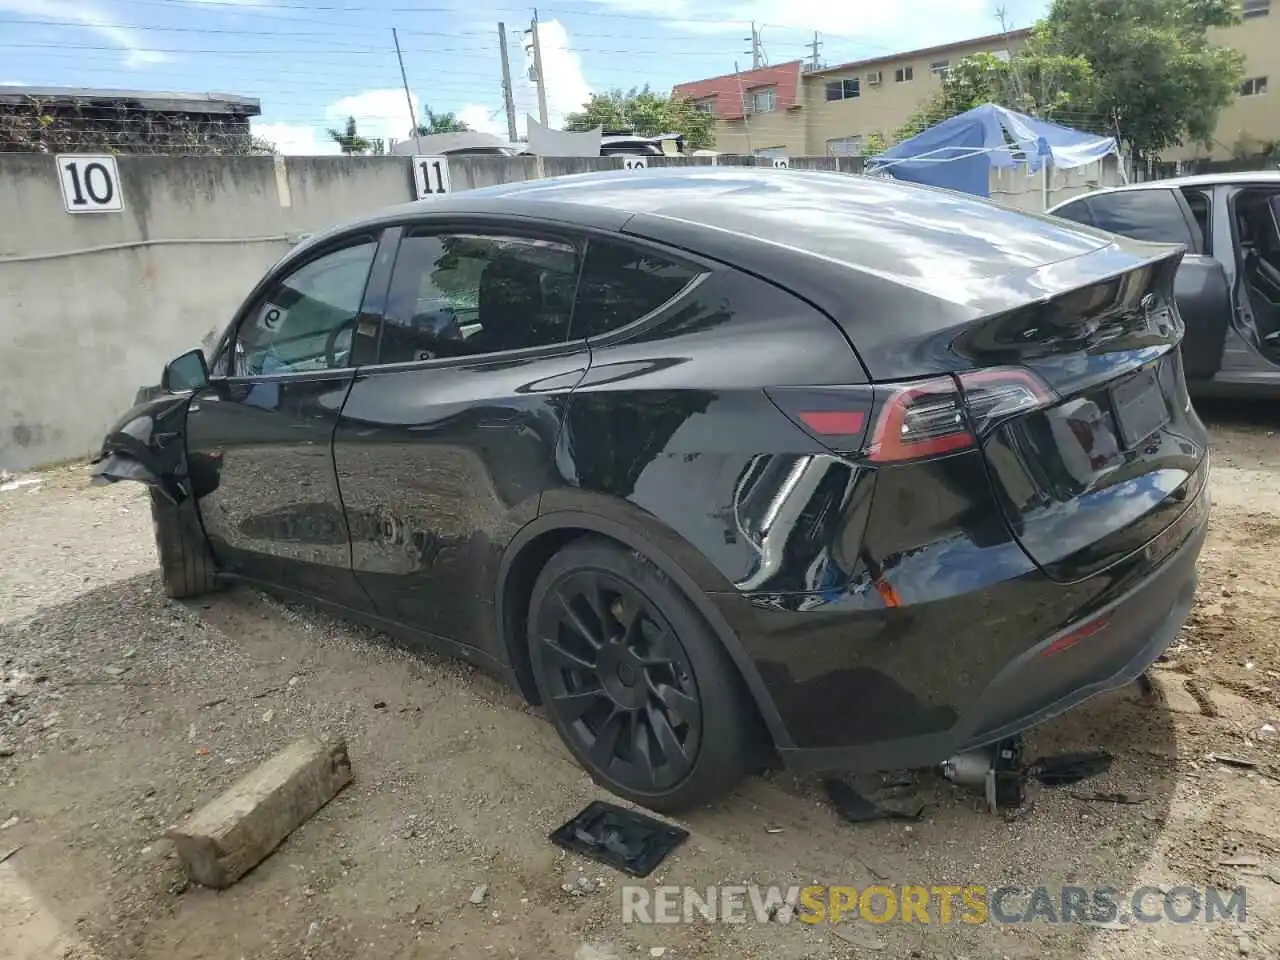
[314, 64]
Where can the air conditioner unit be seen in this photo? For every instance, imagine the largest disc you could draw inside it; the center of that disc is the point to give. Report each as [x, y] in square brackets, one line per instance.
[873, 78]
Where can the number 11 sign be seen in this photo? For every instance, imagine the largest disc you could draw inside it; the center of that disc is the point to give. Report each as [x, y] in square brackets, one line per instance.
[431, 176]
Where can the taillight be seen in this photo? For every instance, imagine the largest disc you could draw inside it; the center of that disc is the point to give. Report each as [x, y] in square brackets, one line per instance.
[993, 395]
[922, 419]
[930, 418]
[915, 420]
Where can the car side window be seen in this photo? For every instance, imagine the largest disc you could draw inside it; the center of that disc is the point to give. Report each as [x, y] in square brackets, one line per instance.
[308, 319]
[1076, 210]
[1153, 215]
[461, 294]
[621, 283]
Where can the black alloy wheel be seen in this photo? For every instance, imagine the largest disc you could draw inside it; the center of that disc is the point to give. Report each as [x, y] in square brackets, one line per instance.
[618, 654]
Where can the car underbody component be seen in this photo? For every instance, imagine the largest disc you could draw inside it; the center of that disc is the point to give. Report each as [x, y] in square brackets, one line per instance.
[619, 838]
[997, 769]
[855, 808]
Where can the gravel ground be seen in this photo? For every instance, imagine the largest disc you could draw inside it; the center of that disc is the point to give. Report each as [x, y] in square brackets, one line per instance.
[121, 711]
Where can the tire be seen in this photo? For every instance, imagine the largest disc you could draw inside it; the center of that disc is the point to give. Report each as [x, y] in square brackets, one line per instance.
[186, 563]
[656, 672]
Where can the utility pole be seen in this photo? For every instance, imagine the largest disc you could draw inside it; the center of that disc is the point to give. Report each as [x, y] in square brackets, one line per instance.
[507, 99]
[537, 69]
[815, 61]
[746, 119]
[408, 98]
[757, 48]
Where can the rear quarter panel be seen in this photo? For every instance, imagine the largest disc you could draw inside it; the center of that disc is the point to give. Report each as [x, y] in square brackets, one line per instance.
[668, 423]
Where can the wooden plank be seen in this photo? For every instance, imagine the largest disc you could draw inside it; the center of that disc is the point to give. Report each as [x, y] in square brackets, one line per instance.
[230, 836]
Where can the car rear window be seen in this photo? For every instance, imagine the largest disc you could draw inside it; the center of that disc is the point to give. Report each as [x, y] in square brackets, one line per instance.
[622, 283]
[1153, 215]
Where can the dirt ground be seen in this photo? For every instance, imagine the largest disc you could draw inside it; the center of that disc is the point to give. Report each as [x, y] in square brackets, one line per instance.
[121, 711]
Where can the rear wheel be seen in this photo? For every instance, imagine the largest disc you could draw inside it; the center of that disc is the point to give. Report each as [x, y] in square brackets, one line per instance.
[186, 564]
[637, 685]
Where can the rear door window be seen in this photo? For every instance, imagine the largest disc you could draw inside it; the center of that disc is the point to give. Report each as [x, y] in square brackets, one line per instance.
[1152, 215]
[621, 284]
[463, 294]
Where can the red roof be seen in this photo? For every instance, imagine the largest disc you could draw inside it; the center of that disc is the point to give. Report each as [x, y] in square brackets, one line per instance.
[729, 89]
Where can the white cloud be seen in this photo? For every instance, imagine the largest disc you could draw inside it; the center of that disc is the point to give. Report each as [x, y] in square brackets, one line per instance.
[295, 139]
[380, 114]
[483, 119]
[12, 83]
[91, 18]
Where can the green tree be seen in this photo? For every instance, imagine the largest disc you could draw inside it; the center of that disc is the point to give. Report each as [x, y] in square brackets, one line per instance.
[440, 123]
[873, 144]
[1158, 81]
[648, 114]
[1142, 70]
[1037, 81]
[349, 140]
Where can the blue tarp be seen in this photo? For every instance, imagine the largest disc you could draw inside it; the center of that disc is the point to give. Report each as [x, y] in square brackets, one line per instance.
[958, 153]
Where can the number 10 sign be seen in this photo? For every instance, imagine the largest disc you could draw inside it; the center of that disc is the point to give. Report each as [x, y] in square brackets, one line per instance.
[90, 183]
[430, 176]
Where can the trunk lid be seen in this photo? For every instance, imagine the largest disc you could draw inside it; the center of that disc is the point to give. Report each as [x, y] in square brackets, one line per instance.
[1116, 453]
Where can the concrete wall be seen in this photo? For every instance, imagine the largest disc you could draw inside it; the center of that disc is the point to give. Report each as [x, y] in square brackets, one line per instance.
[1013, 187]
[93, 305]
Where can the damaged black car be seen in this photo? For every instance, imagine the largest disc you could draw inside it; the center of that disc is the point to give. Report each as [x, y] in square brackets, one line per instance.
[717, 465]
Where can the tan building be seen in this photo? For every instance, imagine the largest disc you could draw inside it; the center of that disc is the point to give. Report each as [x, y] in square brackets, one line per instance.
[794, 110]
[1254, 118]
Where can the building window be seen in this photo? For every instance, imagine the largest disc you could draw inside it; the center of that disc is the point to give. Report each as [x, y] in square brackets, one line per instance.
[904, 75]
[706, 106]
[1255, 8]
[771, 153]
[764, 100]
[940, 68]
[1253, 87]
[847, 89]
[853, 146]
[1001, 55]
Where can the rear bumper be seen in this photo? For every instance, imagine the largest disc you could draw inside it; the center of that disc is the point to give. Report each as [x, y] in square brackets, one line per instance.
[1110, 649]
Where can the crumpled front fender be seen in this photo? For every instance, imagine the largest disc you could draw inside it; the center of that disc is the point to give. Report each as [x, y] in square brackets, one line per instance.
[147, 445]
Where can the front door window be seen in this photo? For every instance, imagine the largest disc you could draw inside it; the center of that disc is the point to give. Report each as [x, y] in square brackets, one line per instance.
[308, 319]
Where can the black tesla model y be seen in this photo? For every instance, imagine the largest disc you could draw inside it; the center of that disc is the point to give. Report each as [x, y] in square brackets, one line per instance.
[705, 459]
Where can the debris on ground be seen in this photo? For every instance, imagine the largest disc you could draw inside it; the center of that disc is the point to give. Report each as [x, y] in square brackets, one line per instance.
[9, 482]
[238, 830]
[1238, 762]
[1068, 768]
[623, 839]
[853, 807]
[479, 893]
[1200, 694]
